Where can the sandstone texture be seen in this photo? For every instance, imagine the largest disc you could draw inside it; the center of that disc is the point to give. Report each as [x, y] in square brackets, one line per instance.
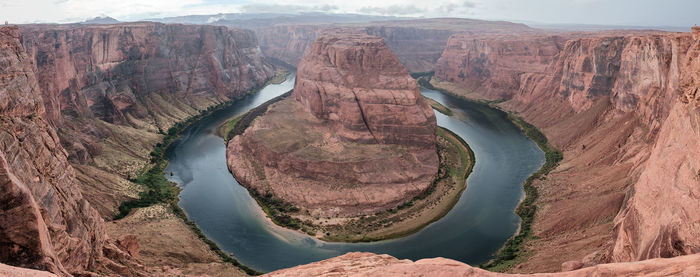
[368, 264]
[355, 137]
[81, 106]
[46, 222]
[11, 271]
[112, 90]
[356, 82]
[166, 246]
[661, 217]
[417, 43]
[623, 108]
[104, 70]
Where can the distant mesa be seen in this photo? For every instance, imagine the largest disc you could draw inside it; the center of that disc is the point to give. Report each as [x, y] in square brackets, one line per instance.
[101, 20]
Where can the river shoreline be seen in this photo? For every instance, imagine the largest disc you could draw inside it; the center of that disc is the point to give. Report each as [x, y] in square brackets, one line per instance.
[512, 252]
[152, 178]
[403, 220]
[478, 224]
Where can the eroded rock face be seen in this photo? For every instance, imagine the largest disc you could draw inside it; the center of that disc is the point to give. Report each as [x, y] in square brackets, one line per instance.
[354, 138]
[11, 271]
[623, 108]
[493, 64]
[355, 81]
[46, 222]
[140, 75]
[102, 70]
[110, 91]
[368, 264]
[661, 217]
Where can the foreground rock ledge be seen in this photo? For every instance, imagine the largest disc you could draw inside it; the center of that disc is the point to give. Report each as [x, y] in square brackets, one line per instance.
[368, 264]
[357, 137]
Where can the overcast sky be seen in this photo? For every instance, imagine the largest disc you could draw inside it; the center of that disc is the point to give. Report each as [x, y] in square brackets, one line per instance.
[602, 12]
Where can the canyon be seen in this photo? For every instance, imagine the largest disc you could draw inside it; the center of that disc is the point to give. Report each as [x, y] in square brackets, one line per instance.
[112, 90]
[82, 106]
[100, 97]
[612, 102]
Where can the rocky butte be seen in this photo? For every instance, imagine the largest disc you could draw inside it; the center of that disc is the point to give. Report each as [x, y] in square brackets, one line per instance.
[355, 137]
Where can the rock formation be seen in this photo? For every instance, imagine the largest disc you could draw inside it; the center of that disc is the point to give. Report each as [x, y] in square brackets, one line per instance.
[80, 109]
[368, 264]
[355, 81]
[111, 89]
[493, 64]
[661, 217]
[105, 70]
[623, 108]
[46, 222]
[11, 271]
[356, 139]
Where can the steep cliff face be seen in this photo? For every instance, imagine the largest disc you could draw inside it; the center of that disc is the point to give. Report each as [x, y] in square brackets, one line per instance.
[105, 70]
[46, 222]
[111, 90]
[354, 81]
[417, 47]
[661, 219]
[356, 138]
[288, 43]
[493, 65]
[611, 102]
[417, 43]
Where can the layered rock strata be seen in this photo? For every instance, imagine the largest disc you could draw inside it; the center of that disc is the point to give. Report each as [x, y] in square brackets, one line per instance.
[80, 113]
[46, 223]
[623, 107]
[112, 90]
[356, 138]
[355, 81]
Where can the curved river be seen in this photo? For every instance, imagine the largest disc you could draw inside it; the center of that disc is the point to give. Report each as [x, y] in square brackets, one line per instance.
[471, 232]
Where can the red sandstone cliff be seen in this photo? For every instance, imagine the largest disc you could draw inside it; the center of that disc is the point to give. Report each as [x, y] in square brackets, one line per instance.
[661, 217]
[111, 90]
[105, 70]
[356, 139]
[103, 93]
[623, 109]
[355, 81]
[46, 222]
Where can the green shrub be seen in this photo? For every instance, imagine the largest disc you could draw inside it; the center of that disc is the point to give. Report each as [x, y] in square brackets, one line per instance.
[513, 248]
